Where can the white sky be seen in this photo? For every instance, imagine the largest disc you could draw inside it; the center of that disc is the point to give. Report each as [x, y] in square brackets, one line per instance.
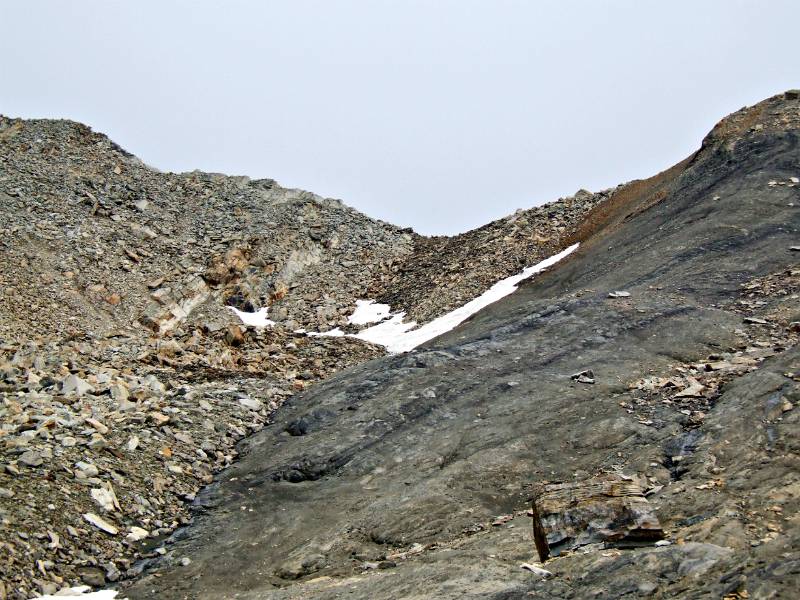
[437, 114]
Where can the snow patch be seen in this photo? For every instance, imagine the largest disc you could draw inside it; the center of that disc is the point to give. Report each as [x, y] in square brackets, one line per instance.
[397, 336]
[332, 333]
[78, 592]
[254, 319]
[368, 312]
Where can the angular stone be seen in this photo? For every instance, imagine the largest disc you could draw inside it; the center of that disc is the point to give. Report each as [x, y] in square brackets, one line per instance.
[755, 320]
[119, 392]
[105, 497]
[608, 508]
[251, 403]
[86, 470]
[100, 523]
[102, 429]
[693, 390]
[31, 458]
[536, 570]
[158, 418]
[586, 376]
[73, 384]
[136, 534]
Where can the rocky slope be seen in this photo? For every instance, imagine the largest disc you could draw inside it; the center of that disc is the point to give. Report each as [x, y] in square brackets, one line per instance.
[127, 384]
[412, 475]
[125, 380]
[96, 242]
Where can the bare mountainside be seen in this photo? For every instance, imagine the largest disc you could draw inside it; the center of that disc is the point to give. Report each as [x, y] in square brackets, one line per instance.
[123, 373]
[657, 364]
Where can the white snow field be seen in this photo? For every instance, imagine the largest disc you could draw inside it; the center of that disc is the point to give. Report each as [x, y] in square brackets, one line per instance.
[254, 319]
[78, 592]
[397, 336]
[367, 312]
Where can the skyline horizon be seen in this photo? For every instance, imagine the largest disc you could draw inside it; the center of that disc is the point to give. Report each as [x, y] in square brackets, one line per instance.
[438, 116]
[351, 205]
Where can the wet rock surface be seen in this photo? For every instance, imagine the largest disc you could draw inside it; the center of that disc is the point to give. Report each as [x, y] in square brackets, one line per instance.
[411, 476]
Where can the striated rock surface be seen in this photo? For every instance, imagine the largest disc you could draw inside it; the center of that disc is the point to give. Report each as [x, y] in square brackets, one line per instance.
[411, 476]
[610, 509]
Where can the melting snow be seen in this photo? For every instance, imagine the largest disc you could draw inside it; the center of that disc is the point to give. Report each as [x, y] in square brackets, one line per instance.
[254, 319]
[368, 312]
[397, 336]
[78, 592]
[332, 333]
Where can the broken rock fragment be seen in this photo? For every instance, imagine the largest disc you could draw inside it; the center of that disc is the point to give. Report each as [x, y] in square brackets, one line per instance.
[607, 509]
[75, 385]
[100, 523]
[586, 376]
[693, 390]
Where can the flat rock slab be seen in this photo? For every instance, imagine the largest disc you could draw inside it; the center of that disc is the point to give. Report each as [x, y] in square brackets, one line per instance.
[605, 509]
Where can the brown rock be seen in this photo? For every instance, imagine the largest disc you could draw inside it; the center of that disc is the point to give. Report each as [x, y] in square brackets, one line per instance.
[608, 508]
[234, 335]
[158, 418]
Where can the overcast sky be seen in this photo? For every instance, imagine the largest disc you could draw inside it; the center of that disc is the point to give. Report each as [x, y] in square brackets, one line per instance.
[436, 114]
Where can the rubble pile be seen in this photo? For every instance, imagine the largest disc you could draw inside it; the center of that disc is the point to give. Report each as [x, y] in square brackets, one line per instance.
[101, 452]
[443, 273]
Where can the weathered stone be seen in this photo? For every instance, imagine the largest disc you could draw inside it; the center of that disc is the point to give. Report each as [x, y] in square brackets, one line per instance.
[586, 376]
[100, 523]
[136, 534]
[158, 418]
[100, 427]
[105, 498]
[73, 384]
[31, 458]
[251, 403]
[85, 470]
[607, 508]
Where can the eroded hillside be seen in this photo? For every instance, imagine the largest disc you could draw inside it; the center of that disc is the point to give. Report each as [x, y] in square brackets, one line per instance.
[128, 385]
[127, 381]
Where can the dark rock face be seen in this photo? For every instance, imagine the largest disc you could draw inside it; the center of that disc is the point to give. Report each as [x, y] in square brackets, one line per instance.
[385, 480]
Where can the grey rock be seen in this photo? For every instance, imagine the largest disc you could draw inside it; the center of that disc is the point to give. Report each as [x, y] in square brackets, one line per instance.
[31, 458]
[251, 403]
[73, 384]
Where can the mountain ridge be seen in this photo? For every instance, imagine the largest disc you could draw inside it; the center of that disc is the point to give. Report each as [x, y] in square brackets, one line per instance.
[410, 458]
